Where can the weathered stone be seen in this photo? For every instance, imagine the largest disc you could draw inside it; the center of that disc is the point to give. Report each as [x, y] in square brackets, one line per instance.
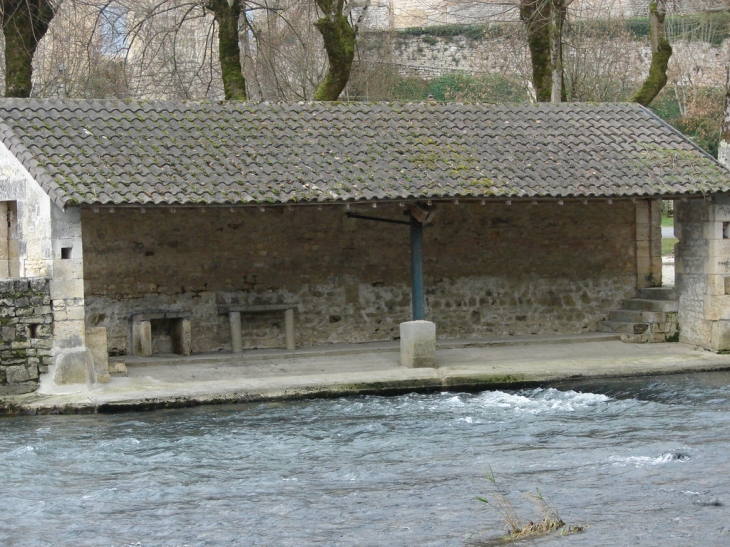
[97, 346]
[71, 367]
[418, 344]
[476, 282]
[24, 313]
[16, 374]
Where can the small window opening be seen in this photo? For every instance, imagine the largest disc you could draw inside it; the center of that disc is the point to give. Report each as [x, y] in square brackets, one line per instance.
[726, 230]
[66, 252]
[33, 330]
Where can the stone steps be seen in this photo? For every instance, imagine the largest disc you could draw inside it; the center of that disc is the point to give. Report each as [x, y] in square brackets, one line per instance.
[637, 316]
[649, 317]
[650, 305]
[658, 293]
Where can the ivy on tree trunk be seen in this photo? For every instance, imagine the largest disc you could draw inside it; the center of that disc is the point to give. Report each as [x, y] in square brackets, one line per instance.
[536, 15]
[558, 13]
[661, 51]
[227, 15]
[723, 152]
[25, 22]
[339, 43]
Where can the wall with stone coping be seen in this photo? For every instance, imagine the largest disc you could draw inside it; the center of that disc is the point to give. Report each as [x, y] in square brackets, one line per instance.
[692, 63]
[26, 333]
[490, 270]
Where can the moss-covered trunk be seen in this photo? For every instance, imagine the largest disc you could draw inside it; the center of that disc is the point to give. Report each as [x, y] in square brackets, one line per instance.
[25, 22]
[229, 52]
[723, 151]
[535, 14]
[661, 51]
[339, 43]
[557, 18]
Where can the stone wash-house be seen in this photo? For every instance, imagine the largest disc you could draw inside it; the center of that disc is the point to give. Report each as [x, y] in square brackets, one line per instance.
[160, 225]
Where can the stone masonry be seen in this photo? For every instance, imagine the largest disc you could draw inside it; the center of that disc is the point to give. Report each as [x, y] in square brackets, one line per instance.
[26, 333]
[703, 271]
[490, 270]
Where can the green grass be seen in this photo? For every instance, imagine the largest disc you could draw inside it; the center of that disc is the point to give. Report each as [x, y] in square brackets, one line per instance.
[668, 245]
[667, 221]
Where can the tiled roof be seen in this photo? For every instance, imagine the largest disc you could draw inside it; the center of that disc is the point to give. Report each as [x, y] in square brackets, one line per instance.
[119, 152]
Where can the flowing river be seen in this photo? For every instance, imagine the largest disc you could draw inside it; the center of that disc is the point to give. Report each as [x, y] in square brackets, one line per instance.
[642, 462]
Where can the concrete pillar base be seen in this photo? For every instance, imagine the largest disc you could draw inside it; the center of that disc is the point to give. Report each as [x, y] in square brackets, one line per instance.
[71, 367]
[720, 340]
[418, 344]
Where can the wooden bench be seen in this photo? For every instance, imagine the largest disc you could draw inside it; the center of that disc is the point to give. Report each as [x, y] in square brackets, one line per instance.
[234, 316]
[142, 331]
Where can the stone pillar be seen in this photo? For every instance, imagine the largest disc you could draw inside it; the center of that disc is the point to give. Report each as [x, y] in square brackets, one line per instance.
[142, 338]
[72, 363]
[289, 328]
[234, 318]
[97, 346]
[418, 344]
[702, 266]
[648, 243]
[4, 250]
[181, 336]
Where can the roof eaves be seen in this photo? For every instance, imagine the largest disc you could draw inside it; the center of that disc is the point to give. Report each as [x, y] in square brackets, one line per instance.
[13, 143]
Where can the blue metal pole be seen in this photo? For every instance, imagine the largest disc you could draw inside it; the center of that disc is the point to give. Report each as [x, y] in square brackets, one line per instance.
[417, 296]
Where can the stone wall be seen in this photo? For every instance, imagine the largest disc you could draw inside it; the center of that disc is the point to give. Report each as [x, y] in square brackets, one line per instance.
[26, 333]
[692, 63]
[703, 272]
[490, 270]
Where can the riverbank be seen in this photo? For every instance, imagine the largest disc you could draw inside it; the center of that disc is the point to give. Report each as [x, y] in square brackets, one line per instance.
[356, 369]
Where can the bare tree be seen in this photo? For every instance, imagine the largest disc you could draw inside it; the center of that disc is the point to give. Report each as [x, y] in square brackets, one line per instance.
[227, 15]
[25, 22]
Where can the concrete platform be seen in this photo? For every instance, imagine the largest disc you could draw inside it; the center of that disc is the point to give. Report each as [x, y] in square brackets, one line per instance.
[340, 370]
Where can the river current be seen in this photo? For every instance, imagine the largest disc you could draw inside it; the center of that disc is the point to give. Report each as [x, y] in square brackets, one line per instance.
[641, 462]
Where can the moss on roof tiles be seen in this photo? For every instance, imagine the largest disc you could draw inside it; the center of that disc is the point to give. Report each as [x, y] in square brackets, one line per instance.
[390, 144]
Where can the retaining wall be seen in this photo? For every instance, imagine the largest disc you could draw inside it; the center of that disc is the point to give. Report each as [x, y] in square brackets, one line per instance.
[26, 333]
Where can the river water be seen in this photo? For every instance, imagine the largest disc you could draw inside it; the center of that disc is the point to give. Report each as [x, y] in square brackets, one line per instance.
[642, 462]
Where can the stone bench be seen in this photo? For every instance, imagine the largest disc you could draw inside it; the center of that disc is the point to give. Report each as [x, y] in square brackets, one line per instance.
[234, 315]
[142, 331]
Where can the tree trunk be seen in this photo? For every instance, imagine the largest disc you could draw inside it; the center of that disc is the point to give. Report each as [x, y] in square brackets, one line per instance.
[723, 152]
[25, 22]
[227, 15]
[661, 51]
[339, 43]
[535, 14]
[557, 18]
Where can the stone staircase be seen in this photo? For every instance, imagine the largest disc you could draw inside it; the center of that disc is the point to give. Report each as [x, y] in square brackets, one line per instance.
[649, 317]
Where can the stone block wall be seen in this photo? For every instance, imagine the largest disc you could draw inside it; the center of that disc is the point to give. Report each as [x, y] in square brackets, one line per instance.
[427, 57]
[490, 270]
[703, 271]
[26, 333]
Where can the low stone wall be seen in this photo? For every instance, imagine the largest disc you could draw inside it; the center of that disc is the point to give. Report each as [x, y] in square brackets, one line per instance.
[26, 333]
[490, 270]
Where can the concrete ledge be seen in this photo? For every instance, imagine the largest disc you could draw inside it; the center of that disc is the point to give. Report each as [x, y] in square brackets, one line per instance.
[374, 373]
